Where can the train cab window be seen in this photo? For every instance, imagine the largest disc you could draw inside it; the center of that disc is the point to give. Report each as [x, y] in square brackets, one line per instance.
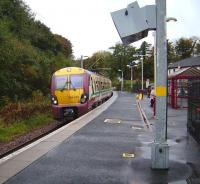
[66, 82]
[61, 82]
[76, 81]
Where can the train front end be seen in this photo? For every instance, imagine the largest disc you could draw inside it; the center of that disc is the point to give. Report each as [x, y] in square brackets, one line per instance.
[69, 93]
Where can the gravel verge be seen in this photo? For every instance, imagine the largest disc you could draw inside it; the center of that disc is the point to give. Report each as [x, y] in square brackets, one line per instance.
[18, 142]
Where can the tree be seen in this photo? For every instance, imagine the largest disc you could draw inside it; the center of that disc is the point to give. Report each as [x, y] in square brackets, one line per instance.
[147, 52]
[122, 56]
[197, 49]
[29, 51]
[171, 53]
[184, 48]
[63, 45]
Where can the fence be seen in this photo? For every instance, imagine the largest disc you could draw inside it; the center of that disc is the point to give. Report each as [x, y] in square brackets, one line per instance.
[193, 123]
[178, 93]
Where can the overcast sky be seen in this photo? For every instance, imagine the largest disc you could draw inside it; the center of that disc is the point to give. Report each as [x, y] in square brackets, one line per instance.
[89, 26]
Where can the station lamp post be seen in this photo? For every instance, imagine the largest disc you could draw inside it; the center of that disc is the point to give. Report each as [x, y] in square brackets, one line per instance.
[82, 57]
[142, 63]
[131, 65]
[122, 82]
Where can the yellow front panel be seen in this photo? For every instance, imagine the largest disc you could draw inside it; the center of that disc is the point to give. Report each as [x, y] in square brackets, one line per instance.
[69, 97]
[69, 71]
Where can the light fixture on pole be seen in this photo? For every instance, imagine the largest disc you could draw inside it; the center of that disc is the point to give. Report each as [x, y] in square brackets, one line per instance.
[82, 57]
[168, 19]
[122, 80]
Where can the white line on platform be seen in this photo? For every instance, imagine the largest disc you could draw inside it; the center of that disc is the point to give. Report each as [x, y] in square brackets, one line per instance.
[143, 116]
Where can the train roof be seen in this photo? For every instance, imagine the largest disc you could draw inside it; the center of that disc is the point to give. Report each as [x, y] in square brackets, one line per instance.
[74, 70]
[70, 70]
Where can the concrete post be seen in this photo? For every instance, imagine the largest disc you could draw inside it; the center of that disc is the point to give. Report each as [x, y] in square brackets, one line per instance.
[81, 61]
[131, 78]
[155, 53]
[142, 61]
[160, 148]
[122, 87]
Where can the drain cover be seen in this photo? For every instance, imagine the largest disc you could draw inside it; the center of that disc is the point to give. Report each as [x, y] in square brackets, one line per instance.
[112, 121]
[128, 155]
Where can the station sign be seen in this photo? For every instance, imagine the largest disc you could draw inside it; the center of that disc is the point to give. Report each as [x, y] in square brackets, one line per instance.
[133, 22]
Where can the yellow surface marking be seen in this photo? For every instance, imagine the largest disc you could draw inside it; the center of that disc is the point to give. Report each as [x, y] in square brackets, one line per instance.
[161, 91]
[128, 155]
[69, 97]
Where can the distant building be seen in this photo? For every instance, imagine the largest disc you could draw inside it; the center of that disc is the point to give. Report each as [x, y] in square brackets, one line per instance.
[184, 63]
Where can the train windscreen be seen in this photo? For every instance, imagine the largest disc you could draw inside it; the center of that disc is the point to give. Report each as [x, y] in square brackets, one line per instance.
[69, 82]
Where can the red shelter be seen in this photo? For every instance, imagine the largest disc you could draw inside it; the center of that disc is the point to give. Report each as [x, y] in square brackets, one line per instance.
[178, 86]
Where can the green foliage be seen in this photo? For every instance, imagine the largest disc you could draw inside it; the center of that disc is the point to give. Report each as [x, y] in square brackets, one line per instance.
[19, 128]
[18, 118]
[99, 62]
[184, 48]
[63, 45]
[15, 111]
[171, 53]
[197, 49]
[121, 57]
[29, 52]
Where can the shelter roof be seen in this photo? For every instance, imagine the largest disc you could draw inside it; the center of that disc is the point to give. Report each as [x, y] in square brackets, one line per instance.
[188, 62]
[185, 73]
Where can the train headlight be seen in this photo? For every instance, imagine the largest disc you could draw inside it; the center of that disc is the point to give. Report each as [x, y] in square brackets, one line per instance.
[54, 100]
[84, 98]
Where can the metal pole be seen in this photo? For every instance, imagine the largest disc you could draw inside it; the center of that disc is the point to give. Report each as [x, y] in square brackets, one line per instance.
[122, 81]
[131, 78]
[160, 148]
[155, 63]
[81, 61]
[142, 73]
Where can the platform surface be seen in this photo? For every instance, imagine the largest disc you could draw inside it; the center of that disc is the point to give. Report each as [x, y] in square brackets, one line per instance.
[93, 152]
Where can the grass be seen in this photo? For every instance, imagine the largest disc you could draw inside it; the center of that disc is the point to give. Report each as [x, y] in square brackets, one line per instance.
[18, 128]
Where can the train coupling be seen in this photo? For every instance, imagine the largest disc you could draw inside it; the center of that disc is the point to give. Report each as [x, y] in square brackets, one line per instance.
[68, 112]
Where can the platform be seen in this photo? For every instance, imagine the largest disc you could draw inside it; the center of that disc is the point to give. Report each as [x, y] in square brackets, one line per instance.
[111, 144]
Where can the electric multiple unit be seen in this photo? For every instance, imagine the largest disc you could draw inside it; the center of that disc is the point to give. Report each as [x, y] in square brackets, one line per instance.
[74, 91]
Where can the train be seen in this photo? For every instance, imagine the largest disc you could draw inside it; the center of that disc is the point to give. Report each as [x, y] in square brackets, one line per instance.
[75, 91]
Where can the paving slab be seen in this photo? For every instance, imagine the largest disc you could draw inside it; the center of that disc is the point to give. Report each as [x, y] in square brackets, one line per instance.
[9, 169]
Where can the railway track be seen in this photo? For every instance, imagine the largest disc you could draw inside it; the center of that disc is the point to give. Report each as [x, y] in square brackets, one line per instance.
[24, 140]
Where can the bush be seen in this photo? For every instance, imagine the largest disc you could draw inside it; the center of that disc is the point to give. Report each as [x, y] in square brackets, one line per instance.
[15, 111]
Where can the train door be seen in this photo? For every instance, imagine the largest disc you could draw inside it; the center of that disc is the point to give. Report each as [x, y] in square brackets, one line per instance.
[91, 90]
